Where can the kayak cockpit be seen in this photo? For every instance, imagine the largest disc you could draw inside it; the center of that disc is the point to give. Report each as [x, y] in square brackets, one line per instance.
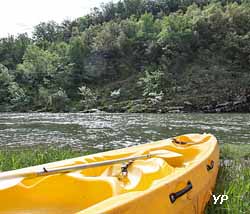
[72, 192]
[75, 191]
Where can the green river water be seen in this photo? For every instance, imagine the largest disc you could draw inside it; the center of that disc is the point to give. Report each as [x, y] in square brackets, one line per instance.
[103, 131]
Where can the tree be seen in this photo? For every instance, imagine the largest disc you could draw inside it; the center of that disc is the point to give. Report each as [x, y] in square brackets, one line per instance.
[167, 44]
[19, 99]
[67, 27]
[38, 65]
[148, 29]
[106, 39]
[5, 81]
[37, 70]
[46, 33]
[12, 50]
[78, 50]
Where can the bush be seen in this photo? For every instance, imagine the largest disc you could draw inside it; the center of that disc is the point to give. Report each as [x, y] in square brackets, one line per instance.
[18, 97]
[152, 82]
[59, 101]
[88, 98]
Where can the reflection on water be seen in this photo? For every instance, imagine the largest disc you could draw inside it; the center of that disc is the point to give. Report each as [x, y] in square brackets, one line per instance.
[102, 131]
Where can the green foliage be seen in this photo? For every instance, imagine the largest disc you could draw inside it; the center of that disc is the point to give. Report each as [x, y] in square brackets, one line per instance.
[106, 39]
[152, 82]
[12, 50]
[82, 23]
[175, 27]
[66, 29]
[37, 68]
[5, 76]
[127, 8]
[44, 98]
[42, 73]
[55, 100]
[233, 180]
[5, 81]
[11, 92]
[188, 45]
[59, 101]
[78, 51]
[46, 33]
[15, 159]
[148, 29]
[18, 97]
[88, 97]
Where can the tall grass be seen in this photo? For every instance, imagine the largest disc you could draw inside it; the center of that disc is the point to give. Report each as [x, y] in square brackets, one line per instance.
[12, 159]
[233, 179]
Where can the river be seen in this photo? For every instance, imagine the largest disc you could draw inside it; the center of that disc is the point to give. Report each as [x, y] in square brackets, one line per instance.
[103, 131]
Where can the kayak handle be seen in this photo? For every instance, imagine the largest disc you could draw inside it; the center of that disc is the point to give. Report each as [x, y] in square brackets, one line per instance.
[210, 166]
[174, 196]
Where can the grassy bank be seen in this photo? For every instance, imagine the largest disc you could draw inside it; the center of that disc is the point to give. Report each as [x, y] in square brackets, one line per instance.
[19, 159]
[233, 179]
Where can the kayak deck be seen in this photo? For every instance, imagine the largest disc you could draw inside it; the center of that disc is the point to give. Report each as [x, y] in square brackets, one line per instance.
[76, 191]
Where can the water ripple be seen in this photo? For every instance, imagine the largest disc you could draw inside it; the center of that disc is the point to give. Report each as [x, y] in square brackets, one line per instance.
[99, 132]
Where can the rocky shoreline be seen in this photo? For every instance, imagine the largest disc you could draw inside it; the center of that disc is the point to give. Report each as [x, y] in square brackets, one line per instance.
[241, 105]
[152, 105]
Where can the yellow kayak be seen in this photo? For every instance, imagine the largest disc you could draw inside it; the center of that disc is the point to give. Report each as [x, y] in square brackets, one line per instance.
[174, 176]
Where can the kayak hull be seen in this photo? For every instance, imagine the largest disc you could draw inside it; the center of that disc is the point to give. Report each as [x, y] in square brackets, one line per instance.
[174, 184]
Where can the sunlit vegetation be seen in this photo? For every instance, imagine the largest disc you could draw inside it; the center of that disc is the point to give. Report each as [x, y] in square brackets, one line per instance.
[189, 51]
[233, 180]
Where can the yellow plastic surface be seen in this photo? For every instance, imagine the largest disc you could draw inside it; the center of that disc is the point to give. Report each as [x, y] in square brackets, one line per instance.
[145, 189]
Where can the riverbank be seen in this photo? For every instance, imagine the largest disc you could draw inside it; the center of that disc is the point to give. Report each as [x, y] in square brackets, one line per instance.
[177, 105]
[151, 105]
[233, 178]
